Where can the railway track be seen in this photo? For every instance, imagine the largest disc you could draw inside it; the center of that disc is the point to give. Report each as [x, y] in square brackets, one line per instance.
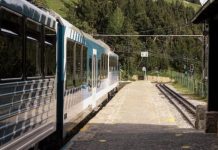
[187, 109]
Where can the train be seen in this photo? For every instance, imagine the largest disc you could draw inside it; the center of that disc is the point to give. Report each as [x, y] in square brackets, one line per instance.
[52, 75]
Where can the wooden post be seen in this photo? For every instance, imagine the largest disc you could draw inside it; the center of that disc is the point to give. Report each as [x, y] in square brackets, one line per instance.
[212, 111]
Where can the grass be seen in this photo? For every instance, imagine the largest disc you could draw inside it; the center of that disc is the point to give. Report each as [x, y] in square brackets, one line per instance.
[196, 7]
[186, 92]
[58, 6]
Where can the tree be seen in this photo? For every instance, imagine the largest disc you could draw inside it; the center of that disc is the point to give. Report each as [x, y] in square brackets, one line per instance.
[141, 17]
[115, 23]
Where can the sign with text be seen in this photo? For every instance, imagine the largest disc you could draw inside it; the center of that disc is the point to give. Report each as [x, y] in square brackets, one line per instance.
[144, 54]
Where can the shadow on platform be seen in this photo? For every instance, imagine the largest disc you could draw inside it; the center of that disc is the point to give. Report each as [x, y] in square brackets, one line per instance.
[141, 137]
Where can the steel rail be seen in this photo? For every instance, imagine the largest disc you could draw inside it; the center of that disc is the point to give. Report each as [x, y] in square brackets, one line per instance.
[178, 101]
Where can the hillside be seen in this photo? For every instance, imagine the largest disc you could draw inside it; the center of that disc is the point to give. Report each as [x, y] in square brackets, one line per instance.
[60, 5]
[139, 17]
[143, 17]
[187, 4]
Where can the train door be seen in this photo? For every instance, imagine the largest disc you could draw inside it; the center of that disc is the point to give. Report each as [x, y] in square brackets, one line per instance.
[94, 76]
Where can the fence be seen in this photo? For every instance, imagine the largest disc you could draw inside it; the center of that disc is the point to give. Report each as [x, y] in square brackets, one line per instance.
[195, 86]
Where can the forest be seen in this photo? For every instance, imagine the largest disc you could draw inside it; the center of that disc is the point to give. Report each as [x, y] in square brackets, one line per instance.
[140, 17]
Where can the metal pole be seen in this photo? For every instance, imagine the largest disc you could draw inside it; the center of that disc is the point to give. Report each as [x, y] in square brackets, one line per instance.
[204, 58]
[145, 69]
[203, 54]
[128, 57]
[145, 35]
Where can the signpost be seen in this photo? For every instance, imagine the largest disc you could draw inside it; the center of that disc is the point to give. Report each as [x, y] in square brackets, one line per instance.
[144, 54]
[191, 69]
[144, 69]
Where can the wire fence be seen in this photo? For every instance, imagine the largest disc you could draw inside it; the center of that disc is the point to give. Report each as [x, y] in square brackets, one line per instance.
[195, 86]
[191, 83]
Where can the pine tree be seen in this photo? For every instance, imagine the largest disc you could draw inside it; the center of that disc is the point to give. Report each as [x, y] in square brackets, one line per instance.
[115, 23]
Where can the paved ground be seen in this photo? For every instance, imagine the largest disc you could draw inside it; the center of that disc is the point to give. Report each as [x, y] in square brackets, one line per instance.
[137, 118]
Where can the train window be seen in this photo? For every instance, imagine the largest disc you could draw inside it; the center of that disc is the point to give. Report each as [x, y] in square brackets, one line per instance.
[76, 64]
[104, 66]
[84, 73]
[78, 80]
[33, 49]
[113, 63]
[70, 82]
[99, 69]
[11, 46]
[50, 52]
[111, 68]
[90, 67]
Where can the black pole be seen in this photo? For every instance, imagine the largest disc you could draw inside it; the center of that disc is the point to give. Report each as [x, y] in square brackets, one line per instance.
[212, 72]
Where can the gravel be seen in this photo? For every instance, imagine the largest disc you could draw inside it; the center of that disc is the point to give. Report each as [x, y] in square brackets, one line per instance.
[180, 121]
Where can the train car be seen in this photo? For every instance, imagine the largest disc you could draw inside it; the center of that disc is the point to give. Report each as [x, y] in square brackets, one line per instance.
[87, 73]
[27, 74]
[52, 75]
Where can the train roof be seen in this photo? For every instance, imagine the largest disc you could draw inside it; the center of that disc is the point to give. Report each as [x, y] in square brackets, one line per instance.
[106, 47]
[72, 32]
[66, 23]
[113, 54]
[103, 44]
[99, 42]
[31, 11]
[208, 10]
[81, 34]
[71, 29]
[91, 38]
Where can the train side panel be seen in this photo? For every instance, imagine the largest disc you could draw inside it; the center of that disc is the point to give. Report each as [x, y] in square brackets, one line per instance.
[86, 77]
[74, 76]
[27, 75]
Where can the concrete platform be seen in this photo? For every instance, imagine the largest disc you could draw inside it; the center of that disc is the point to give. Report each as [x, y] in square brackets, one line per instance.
[137, 118]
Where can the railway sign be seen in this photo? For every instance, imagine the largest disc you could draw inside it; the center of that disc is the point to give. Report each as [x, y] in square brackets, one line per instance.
[144, 54]
[144, 69]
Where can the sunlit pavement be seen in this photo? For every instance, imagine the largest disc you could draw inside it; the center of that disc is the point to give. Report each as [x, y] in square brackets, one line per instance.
[137, 118]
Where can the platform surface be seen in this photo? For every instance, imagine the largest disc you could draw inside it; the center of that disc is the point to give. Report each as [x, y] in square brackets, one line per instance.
[138, 118]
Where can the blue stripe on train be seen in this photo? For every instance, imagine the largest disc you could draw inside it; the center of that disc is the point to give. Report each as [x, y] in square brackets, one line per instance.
[60, 81]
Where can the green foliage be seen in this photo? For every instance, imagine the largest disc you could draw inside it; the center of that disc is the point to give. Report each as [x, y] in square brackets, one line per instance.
[140, 17]
[40, 3]
[115, 22]
[57, 5]
[195, 4]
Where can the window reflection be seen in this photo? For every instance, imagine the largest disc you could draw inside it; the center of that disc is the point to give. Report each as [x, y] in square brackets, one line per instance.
[76, 64]
[113, 62]
[10, 45]
[84, 73]
[78, 80]
[104, 66]
[33, 49]
[12, 48]
[70, 82]
[50, 52]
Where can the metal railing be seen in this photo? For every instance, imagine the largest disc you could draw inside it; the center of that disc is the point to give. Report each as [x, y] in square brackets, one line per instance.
[195, 86]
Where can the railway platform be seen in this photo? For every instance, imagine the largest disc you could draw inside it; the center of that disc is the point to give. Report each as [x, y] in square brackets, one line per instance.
[139, 118]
